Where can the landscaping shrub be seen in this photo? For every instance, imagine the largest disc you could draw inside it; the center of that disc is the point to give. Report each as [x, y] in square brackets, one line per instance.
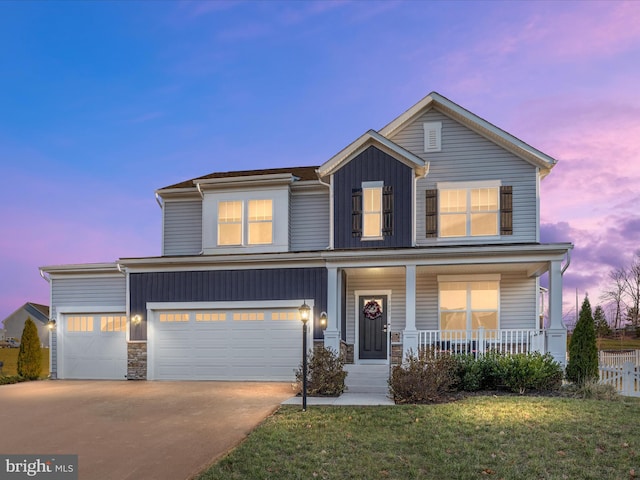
[12, 379]
[424, 378]
[583, 351]
[533, 371]
[29, 356]
[325, 374]
[518, 373]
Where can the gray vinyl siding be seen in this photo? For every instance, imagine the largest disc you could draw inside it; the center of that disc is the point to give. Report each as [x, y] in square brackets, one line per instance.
[518, 297]
[182, 227]
[467, 156]
[379, 282]
[309, 224]
[99, 291]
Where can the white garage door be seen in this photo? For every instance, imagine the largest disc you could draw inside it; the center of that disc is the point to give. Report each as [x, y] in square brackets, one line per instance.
[94, 346]
[218, 344]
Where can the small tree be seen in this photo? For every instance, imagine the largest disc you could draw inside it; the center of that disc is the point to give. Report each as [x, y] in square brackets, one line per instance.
[29, 357]
[600, 322]
[583, 352]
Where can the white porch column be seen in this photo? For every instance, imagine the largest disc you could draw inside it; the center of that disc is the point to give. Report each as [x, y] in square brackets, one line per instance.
[410, 334]
[557, 332]
[332, 333]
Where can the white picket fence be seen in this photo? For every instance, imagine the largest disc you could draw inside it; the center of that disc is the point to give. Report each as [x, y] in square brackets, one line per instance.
[622, 370]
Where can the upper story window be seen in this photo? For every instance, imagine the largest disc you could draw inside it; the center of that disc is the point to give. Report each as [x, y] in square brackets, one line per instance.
[372, 211]
[469, 212]
[260, 222]
[473, 209]
[230, 223]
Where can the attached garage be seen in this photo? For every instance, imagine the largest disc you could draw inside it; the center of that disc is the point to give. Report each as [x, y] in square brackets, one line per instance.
[229, 341]
[92, 346]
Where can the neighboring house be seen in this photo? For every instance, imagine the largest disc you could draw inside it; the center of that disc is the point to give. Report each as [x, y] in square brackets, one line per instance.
[14, 323]
[423, 233]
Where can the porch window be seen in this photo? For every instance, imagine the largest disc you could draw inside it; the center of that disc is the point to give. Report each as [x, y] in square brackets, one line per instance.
[230, 223]
[469, 305]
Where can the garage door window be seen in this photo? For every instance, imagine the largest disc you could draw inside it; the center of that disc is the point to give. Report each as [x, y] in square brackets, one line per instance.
[285, 316]
[211, 317]
[80, 324]
[113, 323]
[174, 317]
[244, 316]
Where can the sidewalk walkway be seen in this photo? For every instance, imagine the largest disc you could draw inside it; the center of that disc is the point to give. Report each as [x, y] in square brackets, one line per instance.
[346, 399]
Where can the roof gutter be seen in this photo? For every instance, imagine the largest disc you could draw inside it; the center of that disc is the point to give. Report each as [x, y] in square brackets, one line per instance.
[43, 275]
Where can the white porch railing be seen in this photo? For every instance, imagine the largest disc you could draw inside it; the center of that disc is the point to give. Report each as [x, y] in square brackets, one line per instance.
[478, 342]
[625, 378]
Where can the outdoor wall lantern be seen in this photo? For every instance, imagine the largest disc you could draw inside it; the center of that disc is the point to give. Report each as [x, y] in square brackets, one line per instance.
[305, 311]
[51, 324]
[323, 320]
[136, 320]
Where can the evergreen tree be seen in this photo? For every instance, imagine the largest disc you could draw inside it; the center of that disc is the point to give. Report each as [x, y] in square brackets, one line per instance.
[29, 357]
[583, 352]
[600, 322]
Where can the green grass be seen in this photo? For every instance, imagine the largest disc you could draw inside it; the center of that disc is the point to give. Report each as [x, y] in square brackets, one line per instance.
[627, 343]
[503, 437]
[9, 356]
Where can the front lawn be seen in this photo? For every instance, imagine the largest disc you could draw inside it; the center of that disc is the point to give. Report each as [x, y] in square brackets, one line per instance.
[501, 437]
[9, 356]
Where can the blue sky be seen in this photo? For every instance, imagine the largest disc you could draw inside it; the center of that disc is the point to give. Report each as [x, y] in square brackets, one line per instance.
[103, 102]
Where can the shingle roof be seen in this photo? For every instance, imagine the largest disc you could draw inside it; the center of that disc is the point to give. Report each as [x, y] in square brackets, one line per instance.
[303, 173]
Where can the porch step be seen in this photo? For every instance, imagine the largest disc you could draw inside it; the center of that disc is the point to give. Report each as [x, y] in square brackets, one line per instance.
[367, 378]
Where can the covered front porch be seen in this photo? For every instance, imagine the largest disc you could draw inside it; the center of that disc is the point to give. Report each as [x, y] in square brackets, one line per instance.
[471, 300]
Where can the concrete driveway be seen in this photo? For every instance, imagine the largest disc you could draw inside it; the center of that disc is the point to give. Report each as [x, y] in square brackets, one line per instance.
[134, 430]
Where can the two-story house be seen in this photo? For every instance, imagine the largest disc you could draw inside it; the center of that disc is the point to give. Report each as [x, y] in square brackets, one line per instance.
[423, 233]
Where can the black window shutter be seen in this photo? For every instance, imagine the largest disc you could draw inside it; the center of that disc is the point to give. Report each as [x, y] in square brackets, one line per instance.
[356, 212]
[506, 210]
[387, 210]
[431, 210]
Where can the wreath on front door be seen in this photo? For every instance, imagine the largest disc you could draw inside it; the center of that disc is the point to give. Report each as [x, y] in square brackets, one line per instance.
[372, 310]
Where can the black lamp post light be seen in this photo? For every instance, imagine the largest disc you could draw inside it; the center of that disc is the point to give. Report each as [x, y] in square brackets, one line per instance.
[305, 311]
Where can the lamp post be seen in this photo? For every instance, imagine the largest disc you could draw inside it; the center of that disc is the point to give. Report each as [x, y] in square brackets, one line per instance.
[304, 310]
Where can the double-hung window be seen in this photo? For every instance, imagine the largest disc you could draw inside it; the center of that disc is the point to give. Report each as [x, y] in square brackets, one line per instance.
[255, 217]
[230, 223]
[260, 222]
[469, 212]
[372, 212]
[469, 304]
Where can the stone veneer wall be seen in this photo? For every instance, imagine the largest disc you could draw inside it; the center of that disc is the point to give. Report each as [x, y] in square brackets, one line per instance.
[137, 361]
[396, 348]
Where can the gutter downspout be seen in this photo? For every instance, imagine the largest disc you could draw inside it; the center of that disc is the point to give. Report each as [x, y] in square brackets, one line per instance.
[567, 264]
[158, 201]
[199, 190]
[42, 274]
[330, 186]
[414, 201]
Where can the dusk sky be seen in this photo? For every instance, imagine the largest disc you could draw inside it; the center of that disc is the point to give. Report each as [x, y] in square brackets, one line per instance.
[101, 103]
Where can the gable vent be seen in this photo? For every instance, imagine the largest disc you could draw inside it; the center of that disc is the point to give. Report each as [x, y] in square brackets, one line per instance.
[432, 136]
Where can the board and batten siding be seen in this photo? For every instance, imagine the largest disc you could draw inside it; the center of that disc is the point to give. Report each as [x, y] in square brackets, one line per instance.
[373, 165]
[518, 297]
[309, 224]
[182, 227]
[378, 281]
[226, 286]
[467, 156]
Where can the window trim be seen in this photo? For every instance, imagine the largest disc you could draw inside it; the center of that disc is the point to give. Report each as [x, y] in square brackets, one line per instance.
[469, 279]
[378, 185]
[468, 186]
[244, 222]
